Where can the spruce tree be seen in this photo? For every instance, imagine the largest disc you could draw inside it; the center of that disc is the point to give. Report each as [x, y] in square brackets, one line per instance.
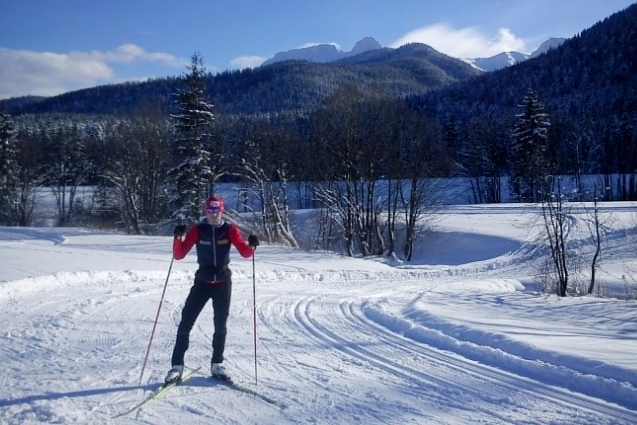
[531, 165]
[9, 169]
[191, 175]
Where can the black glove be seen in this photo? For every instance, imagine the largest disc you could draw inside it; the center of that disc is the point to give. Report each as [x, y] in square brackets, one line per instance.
[180, 229]
[253, 241]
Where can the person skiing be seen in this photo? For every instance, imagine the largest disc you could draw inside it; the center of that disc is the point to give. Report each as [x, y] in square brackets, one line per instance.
[212, 238]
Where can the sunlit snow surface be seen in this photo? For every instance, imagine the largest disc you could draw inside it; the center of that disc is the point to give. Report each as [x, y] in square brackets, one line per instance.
[459, 335]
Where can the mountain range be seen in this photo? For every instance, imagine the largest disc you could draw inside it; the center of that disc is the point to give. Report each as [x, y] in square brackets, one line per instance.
[325, 53]
[290, 85]
[594, 71]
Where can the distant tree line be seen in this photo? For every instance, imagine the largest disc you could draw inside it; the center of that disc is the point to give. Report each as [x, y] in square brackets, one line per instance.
[363, 159]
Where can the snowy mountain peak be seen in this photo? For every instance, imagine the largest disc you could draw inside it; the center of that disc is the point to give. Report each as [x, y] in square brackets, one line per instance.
[324, 52]
[506, 59]
[367, 43]
[499, 61]
[317, 53]
[549, 44]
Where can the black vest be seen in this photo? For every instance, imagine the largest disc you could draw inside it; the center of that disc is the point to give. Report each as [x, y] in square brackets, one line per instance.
[213, 252]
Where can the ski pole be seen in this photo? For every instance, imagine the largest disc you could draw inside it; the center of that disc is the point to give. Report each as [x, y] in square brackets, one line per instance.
[172, 260]
[254, 317]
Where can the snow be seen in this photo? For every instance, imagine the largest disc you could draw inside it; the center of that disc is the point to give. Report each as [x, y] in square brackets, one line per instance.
[460, 335]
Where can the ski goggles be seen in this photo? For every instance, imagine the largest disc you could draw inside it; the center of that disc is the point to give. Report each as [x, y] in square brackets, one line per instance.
[214, 208]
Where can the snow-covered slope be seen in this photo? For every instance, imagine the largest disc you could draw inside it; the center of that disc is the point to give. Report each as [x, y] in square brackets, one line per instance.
[458, 336]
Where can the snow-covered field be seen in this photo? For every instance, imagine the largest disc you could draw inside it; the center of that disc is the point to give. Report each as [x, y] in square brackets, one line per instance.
[459, 336]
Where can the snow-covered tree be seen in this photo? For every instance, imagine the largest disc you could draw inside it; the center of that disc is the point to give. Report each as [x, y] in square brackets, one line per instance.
[9, 169]
[192, 175]
[483, 156]
[264, 172]
[135, 177]
[67, 167]
[531, 164]
[423, 157]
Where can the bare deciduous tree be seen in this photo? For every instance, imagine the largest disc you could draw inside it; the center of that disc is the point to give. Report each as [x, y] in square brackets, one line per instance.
[596, 231]
[555, 212]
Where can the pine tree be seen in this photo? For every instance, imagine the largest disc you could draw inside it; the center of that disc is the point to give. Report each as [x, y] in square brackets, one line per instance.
[191, 175]
[531, 165]
[9, 169]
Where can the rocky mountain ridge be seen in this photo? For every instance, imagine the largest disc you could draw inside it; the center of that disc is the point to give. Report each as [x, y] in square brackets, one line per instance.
[325, 53]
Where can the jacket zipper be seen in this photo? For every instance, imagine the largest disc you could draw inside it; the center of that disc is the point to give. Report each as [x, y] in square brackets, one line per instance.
[214, 249]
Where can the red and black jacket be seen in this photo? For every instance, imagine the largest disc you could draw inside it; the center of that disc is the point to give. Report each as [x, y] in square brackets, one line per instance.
[213, 250]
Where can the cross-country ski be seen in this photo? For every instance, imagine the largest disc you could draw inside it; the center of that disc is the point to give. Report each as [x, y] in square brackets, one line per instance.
[163, 388]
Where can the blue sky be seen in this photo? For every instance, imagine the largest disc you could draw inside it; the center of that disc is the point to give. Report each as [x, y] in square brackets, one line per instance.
[48, 47]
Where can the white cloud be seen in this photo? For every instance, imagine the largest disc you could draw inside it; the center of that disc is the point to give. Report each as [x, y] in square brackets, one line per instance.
[242, 62]
[464, 42]
[26, 72]
[127, 53]
[312, 44]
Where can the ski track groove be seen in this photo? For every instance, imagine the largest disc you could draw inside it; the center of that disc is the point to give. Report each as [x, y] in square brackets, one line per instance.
[323, 336]
[418, 379]
[517, 359]
[332, 395]
[550, 393]
[290, 365]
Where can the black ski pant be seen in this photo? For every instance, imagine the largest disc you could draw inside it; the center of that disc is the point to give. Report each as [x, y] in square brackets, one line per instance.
[198, 297]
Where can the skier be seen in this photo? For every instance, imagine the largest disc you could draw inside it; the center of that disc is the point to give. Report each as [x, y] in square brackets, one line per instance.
[212, 237]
